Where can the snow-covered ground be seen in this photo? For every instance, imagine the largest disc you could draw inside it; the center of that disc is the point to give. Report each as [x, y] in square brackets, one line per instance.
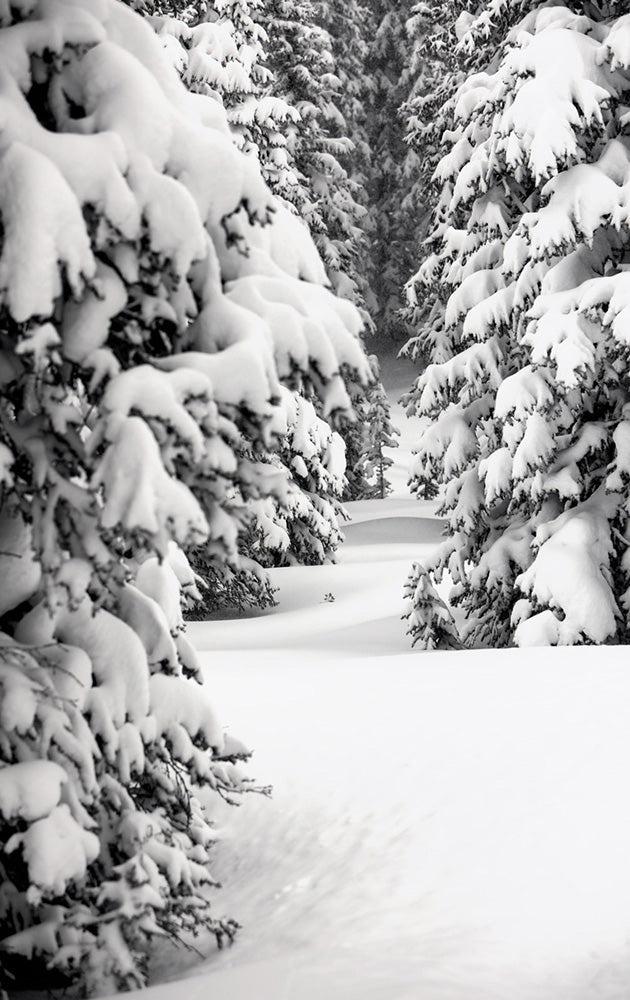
[443, 826]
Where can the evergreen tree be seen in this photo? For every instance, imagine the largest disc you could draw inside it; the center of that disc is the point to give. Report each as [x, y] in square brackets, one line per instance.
[434, 62]
[527, 392]
[366, 438]
[350, 29]
[224, 54]
[344, 115]
[382, 434]
[296, 121]
[142, 414]
[220, 49]
[301, 57]
[395, 200]
[431, 622]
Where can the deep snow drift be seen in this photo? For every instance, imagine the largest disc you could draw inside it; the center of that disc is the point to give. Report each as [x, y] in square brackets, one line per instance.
[443, 826]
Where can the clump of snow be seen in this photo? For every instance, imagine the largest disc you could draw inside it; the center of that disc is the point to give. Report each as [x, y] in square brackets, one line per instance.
[56, 849]
[30, 790]
[138, 491]
[17, 561]
[43, 232]
[571, 576]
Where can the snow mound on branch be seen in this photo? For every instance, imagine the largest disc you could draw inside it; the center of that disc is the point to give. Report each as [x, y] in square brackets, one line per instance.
[571, 575]
[57, 850]
[43, 232]
[30, 790]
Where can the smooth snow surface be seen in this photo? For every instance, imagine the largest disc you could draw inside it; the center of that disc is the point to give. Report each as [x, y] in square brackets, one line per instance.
[444, 826]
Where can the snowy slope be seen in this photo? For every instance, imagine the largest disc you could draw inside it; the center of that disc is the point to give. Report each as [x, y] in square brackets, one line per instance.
[443, 826]
[366, 584]
[455, 827]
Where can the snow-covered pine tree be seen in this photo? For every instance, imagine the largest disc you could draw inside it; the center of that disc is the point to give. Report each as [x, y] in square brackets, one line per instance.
[435, 69]
[305, 157]
[274, 70]
[343, 114]
[395, 201]
[140, 364]
[381, 434]
[221, 50]
[350, 29]
[366, 438]
[431, 623]
[528, 395]
[223, 54]
[300, 55]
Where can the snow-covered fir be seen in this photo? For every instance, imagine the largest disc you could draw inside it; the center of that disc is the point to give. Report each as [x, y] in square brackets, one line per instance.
[523, 296]
[170, 356]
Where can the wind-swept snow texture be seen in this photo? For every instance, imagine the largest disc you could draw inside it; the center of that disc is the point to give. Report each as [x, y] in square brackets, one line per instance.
[444, 826]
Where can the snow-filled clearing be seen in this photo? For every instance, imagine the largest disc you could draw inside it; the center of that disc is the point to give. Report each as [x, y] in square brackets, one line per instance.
[444, 826]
